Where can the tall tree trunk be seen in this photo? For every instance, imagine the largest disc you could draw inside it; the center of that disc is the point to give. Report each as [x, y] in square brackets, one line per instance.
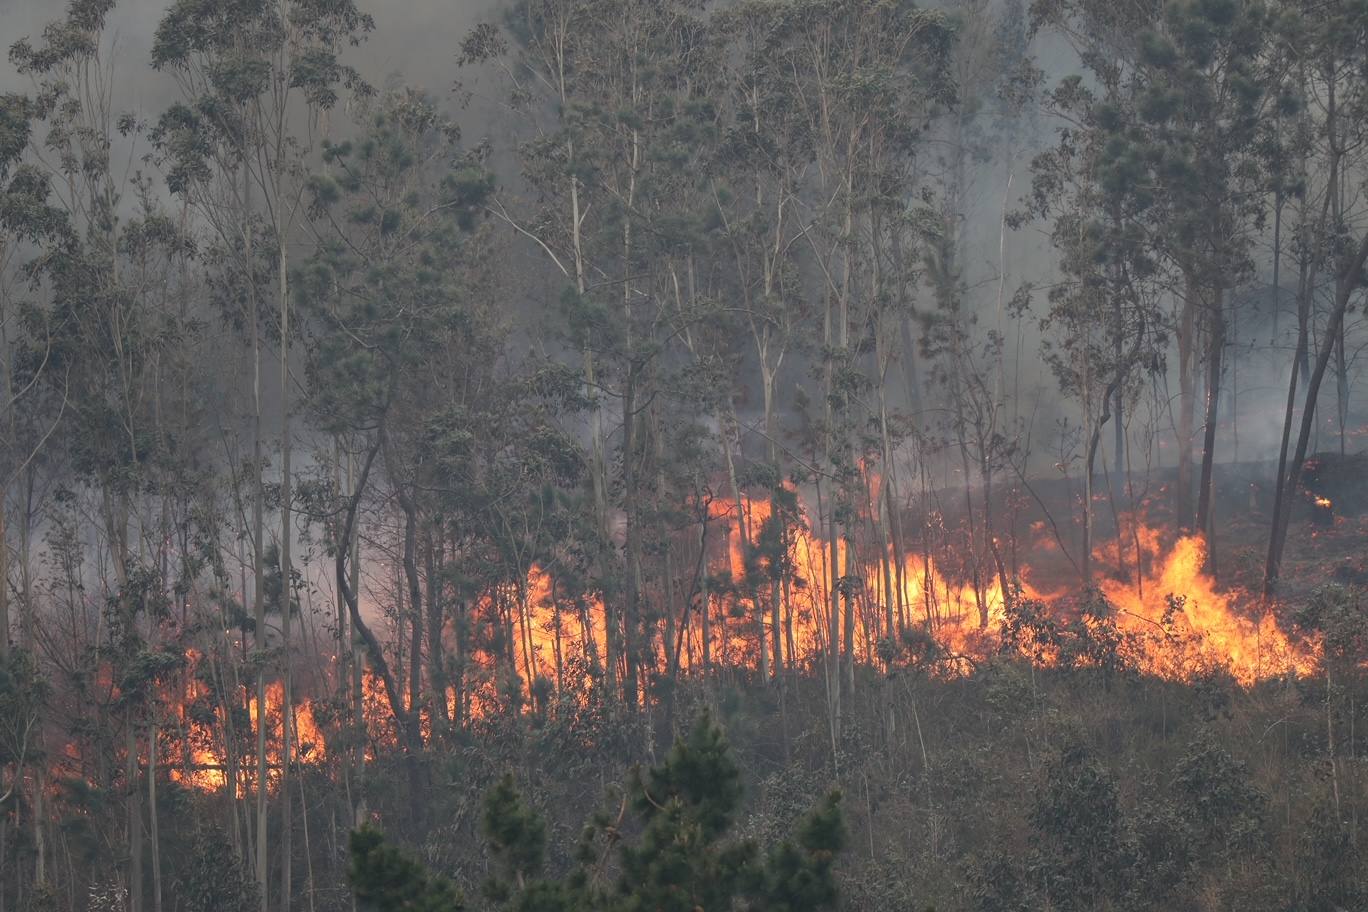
[962, 446]
[630, 482]
[408, 724]
[342, 482]
[286, 571]
[731, 437]
[258, 547]
[153, 830]
[896, 609]
[415, 594]
[1186, 406]
[704, 596]
[777, 517]
[598, 459]
[348, 543]
[1309, 265]
[1119, 415]
[117, 518]
[4, 581]
[436, 625]
[828, 517]
[1345, 286]
[843, 347]
[1341, 389]
[631, 620]
[1093, 430]
[134, 809]
[833, 620]
[1216, 338]
[413, 584]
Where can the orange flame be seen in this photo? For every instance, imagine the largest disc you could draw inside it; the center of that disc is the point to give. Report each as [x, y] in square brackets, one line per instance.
[202, 762]
[1187, 627]
[541, 640]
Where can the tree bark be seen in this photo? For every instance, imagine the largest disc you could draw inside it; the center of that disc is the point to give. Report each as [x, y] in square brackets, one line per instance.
[1348, 281]
[286, 568]
[1216, 337]
[258, 546]
[407, 722]
[1186, 405]
[436, 656]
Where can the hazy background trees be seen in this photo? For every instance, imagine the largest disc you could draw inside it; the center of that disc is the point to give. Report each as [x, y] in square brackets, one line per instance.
[388, 400]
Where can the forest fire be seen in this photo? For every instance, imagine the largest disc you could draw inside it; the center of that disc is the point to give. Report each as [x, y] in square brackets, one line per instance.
[1177, 623]
[959, 404]
[203, 764]
[1185, 626]
[1173, 620]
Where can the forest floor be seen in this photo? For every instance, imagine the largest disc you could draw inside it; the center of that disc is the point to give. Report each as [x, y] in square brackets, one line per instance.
[1042, 527]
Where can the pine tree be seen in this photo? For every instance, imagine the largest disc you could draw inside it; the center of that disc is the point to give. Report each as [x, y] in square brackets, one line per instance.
[384, 879]
[515, 833]
[681, 859]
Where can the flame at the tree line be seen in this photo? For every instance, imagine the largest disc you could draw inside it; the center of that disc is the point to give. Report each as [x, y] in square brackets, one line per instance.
[531, 642]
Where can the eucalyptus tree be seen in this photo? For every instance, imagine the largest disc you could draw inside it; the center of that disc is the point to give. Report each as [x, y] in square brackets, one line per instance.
[29, 224]
[612, 92]
[247, 68]
[557, 40]
[965, 354]
[114, 336]
[854, 83]
[1205, 105]
[655, 122]
[1189, 80]
[1326, 44]
[23, 695]
[683, 298]
[757, 171]
[399, 334]
[1104, 325]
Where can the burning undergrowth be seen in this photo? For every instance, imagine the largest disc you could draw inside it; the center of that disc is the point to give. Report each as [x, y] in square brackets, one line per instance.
[1154, 609]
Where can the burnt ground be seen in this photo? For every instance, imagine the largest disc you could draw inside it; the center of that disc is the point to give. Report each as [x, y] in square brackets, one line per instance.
[1324, 544]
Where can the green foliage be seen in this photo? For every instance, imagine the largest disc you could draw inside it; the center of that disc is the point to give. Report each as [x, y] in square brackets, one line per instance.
[384, 879]
[1158, 179]
[389, 284]
[1340, 616]
[680, 860]
[24, 694]
[215, 879]
[232, 55]
[16, 114]
[1225, 808]
[146, 669]
[1086, 854]
[1330, 862]
[1091, 640]
[516, 835]
[800, 875]
[72, 38]
[698, 774]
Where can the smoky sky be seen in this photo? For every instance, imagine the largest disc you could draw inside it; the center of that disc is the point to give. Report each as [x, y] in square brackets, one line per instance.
[416, 42]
